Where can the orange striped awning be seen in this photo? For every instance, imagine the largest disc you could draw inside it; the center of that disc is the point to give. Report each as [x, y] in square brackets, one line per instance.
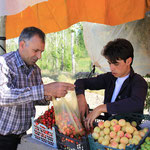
[56, 15]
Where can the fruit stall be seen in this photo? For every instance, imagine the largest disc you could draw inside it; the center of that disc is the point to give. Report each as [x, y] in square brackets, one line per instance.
[119, 132]
[60, 127]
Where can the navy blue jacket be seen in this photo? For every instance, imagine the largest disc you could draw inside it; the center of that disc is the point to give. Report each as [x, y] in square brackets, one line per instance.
[130, 99]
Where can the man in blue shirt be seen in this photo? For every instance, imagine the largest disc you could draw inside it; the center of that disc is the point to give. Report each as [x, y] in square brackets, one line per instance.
[21, 87]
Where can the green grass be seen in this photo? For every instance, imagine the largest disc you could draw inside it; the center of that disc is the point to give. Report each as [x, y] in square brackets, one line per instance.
[83, 65]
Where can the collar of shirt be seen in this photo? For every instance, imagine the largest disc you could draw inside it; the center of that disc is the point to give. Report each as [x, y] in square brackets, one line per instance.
[21, 63]
[130, 75]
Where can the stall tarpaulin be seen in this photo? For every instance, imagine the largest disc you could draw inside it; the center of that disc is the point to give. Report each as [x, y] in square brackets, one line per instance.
[137, 32]
[11, 7]
[56, 15]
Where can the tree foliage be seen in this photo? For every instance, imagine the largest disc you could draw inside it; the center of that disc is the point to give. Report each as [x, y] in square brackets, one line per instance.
[57, 55]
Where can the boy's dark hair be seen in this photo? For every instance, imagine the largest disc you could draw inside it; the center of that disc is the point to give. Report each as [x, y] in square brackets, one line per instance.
[118, 49]
[29, 32]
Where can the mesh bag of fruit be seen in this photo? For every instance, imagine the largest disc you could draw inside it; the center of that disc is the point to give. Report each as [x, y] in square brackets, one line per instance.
[67, 115]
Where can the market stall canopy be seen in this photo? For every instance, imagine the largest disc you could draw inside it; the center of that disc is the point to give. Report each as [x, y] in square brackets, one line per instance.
[11, 7]
[56, 15]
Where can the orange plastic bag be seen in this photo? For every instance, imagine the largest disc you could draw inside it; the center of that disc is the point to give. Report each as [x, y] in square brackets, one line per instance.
[67, 115]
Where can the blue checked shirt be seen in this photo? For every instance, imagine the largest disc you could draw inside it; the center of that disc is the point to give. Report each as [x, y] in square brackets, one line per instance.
[21, 88]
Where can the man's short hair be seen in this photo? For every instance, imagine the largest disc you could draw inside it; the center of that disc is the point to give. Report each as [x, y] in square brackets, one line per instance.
[29, 32]
[118, 49]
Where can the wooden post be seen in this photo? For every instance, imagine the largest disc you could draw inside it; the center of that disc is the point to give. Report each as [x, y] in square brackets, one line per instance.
[2, 35]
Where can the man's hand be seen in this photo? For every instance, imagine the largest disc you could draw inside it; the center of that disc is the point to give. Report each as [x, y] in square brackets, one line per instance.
[48, 98]
[93, 115]
[57, 89]
[83, 106]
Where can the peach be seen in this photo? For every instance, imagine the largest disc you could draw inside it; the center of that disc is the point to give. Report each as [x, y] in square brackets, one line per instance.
[135, 141]
[107, 137]
[128, 124]
[123, 128]
[114, 144]
[112, 134]
[105, 142]
[128, 135]
[106, 130]
[136, 133]
[122, 122]
[97, 129]
[142, 133]
[95, 135]
[121, 146]
[100, 139]
[116, 138]
[116, 128]
[135, 129]
[101, 133]
[138, 137]
[111, 128]
[129, 129]
[101, 124]
[145, 130]
[120, 133]
[124, 140]
[107, 124]
[114, 122]
[130, 141]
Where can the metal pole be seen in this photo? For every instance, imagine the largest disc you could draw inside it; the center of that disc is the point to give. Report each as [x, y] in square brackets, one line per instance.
[2, 35]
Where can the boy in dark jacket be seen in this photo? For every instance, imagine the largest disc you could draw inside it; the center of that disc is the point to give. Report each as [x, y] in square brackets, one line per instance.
[125, 91]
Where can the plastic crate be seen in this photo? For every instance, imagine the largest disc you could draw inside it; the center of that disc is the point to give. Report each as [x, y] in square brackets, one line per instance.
[96, 146]
[43, 134]
[139, 118]
[67, 143]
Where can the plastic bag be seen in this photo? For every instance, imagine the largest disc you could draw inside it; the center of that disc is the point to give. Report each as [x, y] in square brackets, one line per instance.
[67, 115]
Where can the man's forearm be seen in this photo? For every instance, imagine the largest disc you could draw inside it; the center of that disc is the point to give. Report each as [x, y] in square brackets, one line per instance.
[102, 108]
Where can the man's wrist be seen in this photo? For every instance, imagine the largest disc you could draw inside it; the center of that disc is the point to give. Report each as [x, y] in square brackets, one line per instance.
[103, 108]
